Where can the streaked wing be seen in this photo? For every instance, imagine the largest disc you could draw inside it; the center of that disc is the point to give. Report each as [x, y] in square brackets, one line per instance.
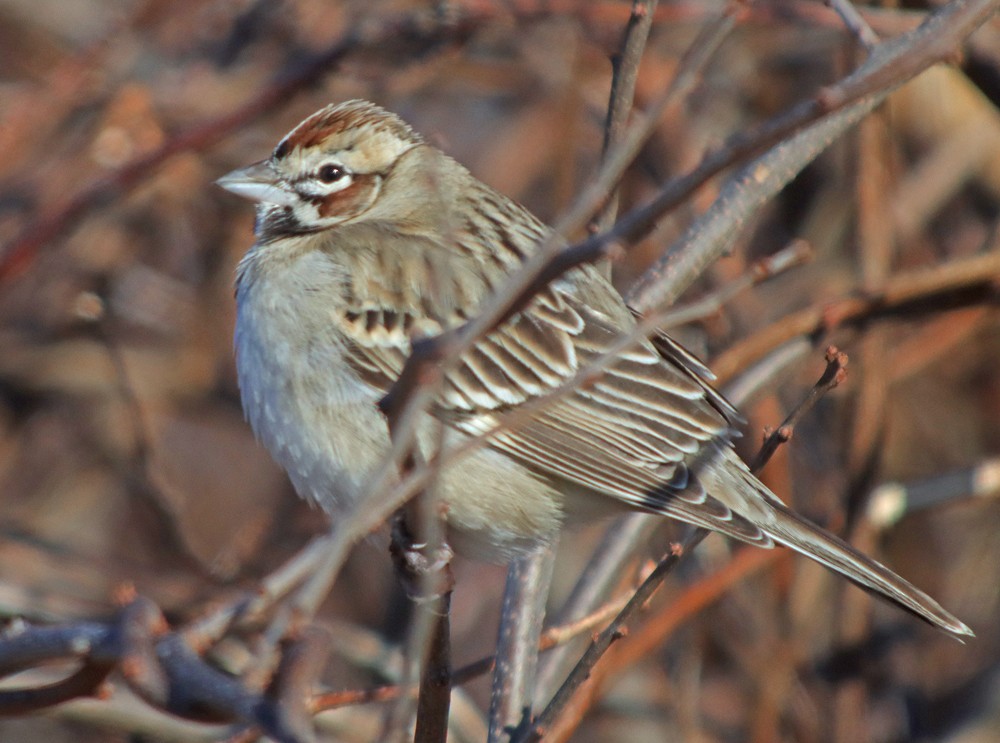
[636, 434]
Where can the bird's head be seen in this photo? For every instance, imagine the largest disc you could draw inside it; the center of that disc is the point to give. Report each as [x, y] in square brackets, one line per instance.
[327, 171]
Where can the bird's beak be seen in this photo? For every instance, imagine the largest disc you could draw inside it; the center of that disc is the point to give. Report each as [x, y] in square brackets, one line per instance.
[258, 182]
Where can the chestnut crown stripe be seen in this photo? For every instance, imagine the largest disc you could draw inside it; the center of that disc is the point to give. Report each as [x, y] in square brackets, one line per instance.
[339, 118]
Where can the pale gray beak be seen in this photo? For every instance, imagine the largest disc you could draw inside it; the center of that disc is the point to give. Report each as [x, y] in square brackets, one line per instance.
[258, 182]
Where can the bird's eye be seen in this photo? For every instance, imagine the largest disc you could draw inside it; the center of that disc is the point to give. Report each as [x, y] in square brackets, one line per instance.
[331, 173]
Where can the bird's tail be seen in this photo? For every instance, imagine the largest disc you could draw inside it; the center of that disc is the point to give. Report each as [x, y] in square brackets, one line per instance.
[788, 528]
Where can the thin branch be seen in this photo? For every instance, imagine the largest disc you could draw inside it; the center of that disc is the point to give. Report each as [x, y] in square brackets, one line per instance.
[855, 23]
[891, 501]
[101, 647]
[834, 375]
[652, 633]
[163, 670]
[302, 660]
[603, 571]
[613, 632]
[553, 637]
[625, 71]
[794, 254]
[249, 607]
[812, 126]
[969, 280]
[425, 572]
[85, 682]
[521, 617]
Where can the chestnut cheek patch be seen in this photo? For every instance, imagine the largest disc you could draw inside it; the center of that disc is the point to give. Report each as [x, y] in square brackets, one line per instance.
[349, 201]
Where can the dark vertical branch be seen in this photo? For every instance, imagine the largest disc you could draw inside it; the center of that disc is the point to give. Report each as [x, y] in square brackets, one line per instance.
[434, 699]
[423, 564]
[625, 71]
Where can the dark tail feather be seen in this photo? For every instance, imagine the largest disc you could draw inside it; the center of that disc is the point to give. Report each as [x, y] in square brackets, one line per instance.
[730, 482]
[791, 530]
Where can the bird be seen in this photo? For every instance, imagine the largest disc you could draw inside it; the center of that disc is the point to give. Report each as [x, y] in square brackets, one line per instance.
[368, 238]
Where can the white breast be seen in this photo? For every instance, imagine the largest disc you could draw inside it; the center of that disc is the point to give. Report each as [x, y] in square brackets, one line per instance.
[305, 404]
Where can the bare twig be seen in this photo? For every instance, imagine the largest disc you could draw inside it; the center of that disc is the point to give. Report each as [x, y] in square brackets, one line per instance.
[834, 374]
[814, 123]
[302, 661]
[973, 278]
[794, 254]
[618, 546]
[891, 501]
[208, 629]
[855, 23]
[429, 582]
[652, 633]
[158, 665]
[553, 637]
[625, 70]
[521, 615]
[614, 631]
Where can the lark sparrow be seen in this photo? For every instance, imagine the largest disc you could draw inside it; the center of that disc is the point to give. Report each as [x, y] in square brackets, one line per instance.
[368, 237]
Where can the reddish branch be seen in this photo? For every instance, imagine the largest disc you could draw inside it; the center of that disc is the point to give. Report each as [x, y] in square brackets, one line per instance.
[955, 283]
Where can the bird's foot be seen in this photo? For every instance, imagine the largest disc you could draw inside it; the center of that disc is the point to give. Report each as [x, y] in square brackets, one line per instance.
[424, 569]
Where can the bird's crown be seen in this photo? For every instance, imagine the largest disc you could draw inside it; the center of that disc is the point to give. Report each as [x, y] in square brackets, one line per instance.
[367, 137]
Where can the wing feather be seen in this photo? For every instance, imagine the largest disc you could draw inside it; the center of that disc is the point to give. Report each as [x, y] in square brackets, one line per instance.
[633, 435]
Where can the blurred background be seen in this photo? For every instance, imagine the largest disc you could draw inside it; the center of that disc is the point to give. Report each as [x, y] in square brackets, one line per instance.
[124, 456]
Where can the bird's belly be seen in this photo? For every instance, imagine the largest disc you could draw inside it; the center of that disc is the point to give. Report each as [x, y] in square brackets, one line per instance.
[321, 423]
[307, 406]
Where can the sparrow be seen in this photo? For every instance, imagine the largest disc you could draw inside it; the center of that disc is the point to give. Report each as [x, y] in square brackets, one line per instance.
[368, 238]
